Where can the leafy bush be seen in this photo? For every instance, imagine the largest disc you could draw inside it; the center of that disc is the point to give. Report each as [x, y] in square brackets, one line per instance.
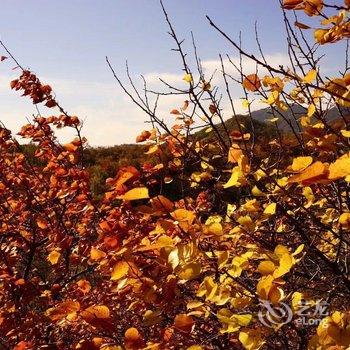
[255, 235]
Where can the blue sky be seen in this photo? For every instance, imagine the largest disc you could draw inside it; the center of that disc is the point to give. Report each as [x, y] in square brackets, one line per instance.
[65, 43]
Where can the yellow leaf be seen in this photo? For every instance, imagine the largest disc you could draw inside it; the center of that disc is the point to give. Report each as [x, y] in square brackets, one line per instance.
[256, 192]
[120, 269]
[299, 249]
[270, 209]
[344, 219]
[272, 120]
[310, 76]
[53, 257]
[345, 133]
[311, 110]
[268, 290]
[215, 228]
[286, 263]
[251, 339]
[189, 271]
[188, 78]
[236, 179]
[135, 194]
[232, 322]
[96, 254]
[300, 163]
[245, 103]
[273, 97]
[266, 267]
[153, 149]
[162, 242]
[321, 35]
[280, 250]
[340, 168]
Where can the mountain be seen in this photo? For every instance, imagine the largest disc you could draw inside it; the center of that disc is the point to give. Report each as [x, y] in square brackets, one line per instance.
[259, 124]
[293, 114]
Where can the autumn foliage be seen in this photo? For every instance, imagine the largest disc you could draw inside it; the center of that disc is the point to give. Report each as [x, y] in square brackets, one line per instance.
[251, 221]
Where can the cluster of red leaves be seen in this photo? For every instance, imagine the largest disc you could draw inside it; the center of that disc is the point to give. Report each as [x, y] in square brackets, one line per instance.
[32, 87]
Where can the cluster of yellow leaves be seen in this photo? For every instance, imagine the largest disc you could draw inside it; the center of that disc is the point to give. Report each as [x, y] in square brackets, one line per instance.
[333, 332]
[319, 172]
[278, 264]
[338, 30]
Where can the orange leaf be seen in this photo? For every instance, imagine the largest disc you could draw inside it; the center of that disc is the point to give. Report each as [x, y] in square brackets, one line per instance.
[84, 286]
[62, 310]
[234, 154]
[314, 173]
[96, 254]
[291, 4]
[22, 345]
[53, 257]
[252, 82]
[136, 194]
[133, 339]
[184, 323]
[143, 136]
[162, 203]
[95, 312]
[41, 223]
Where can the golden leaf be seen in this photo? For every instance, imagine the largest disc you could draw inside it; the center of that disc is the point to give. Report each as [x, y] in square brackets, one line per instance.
[310, 76]
[270, 209]
[300, 163]
[340, 168]
[96, 254]
[53, 257]
[120, 269]
[136, 194]
[188, 78]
